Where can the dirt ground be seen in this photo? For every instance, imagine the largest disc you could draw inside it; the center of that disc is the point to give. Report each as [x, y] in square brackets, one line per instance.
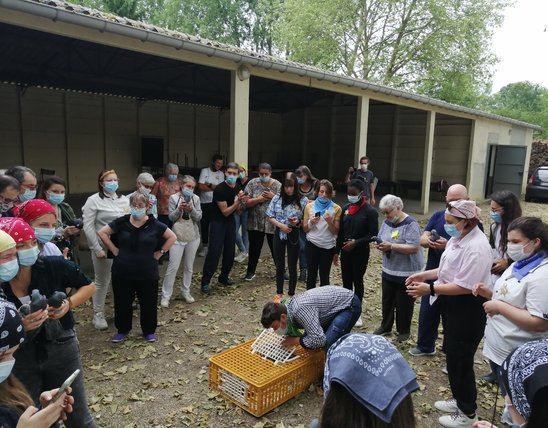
[165, 384]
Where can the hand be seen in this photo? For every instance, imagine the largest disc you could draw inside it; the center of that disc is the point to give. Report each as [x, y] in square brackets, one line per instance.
[350, 169]
[187, 207]
[101, 254]
[267, 194]
[35, 320]
[384, 247]
[440, 244]
[492, 307]
[157, 255]
[499, 266]
[65, 400]
[290, 341]
[315, 220]
[115, 251]
[349, 245]
[328, 218]
[416, 277]
[483, 424]
[70, 231]
[285, 229]
[336, 259]
[372, 201]
[481, 289]
[418, 289]
[65, 253]
[56, 313]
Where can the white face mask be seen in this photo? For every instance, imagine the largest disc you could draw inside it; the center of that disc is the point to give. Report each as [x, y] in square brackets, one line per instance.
[281, 331]
[144, 190]
[516, 251]
[363, 166]
[5, 369]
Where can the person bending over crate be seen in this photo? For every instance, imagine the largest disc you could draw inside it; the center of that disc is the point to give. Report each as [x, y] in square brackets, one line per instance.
[326, 314]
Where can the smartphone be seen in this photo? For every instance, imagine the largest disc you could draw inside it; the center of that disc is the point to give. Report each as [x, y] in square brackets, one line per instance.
[65, 385]
[318, 214]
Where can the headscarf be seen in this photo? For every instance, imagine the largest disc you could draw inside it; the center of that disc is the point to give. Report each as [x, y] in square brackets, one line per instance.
[463, 209]
[31, 210]
[372, 370]
[17, 228]
[6, 241]
[11, 327]
[524, 372]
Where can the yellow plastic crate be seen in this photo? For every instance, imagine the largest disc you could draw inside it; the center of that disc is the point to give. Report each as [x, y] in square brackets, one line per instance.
[257, 385]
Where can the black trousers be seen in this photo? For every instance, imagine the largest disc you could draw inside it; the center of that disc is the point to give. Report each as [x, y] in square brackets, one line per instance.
[124, 292]
[353, 267]
[256, 239]
[223, 241]
[463, 327]
[292, 246]
[395, 299]
[204, 222]
[318, 259]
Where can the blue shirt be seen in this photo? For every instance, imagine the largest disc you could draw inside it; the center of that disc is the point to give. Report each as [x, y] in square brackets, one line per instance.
[436, 222]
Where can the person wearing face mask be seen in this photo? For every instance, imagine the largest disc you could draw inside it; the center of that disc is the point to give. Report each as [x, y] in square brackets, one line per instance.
[9, 192]
[359, 222]
[465, 262]
[141, 241]
[363, 173]
[307, 184]
[242, 235]
[167, 185]
[50, 352]
[401, 257]
[260, 190]
[210, 178]
[27, 181]
[16, 406]
[99, 210]
[53, 190]
[144, 184]
[185, 213]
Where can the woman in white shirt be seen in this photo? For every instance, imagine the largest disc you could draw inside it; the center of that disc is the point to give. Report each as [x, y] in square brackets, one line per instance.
[99, 210]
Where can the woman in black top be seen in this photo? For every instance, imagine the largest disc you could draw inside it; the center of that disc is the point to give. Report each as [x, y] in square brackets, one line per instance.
[359, 222]
[140, 242]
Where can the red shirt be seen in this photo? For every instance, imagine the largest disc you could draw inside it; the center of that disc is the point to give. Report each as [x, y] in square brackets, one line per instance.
[163, 189]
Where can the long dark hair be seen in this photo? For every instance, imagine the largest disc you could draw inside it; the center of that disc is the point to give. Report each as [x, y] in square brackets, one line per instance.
[341, 409]
[511, 210]
[47, 183]
[303, 169]
[290, 177]
[531, 228]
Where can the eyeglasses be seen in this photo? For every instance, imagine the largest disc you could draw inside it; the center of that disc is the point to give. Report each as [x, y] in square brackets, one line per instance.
[449, 206]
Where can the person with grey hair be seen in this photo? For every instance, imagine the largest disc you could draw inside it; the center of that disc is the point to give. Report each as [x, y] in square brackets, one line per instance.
[185, 213]
[27, 181]
[167, 185]
[9, 191]
[144, 184]
[135, 267]
[401, 257]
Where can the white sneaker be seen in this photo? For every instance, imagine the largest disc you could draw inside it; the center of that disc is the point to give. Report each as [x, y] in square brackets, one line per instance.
[99, 321]
[187, 297]
[241, 257]
[164, 303]
[447, 406]
[457, 420]
[359, 323]
[203, 251]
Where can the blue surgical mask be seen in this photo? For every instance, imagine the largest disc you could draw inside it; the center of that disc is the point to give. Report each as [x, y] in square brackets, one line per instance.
[301, 180]
[495, 216]
[354, 199]
[28, 256]
[5, 369]
[172, 177]
[231, 179]
[187, 192]
[8, 270]
[56, 198]
[242, 175]
[322, 200]
[44, 234]
[264, 179]
[137, 213]
[110, 186]
[451, 230]
[27, 195]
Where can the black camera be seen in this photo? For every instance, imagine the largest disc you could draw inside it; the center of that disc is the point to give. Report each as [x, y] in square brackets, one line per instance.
[76, 222]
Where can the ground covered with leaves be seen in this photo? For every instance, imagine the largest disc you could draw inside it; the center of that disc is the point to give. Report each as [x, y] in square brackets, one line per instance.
[165, 384]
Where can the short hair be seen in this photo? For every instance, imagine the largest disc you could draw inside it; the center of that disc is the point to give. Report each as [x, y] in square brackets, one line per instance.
[532, 228]
[216, 157]
[47, 183]
[187, 178]
[8, 181]
[18, 172]
[145, 177]
[264, 165]
[328, 186]
[136, 197]
[272, 312]
[232, 165]
[390, 201]
[357, 184]
[169, 166]
[364, 158]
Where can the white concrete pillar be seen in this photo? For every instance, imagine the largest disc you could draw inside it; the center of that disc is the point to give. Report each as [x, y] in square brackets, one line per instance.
[239, 118]
[427, 164]
[362, 120]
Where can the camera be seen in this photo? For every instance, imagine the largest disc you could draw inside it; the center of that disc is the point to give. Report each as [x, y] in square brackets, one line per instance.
[376, 240]
[76, 222]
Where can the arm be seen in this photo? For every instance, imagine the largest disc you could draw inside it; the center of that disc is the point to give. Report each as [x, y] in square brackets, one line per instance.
[203, 185]
[155, 188]
[175, 212]
[314, 336]
[418, 289]
[227, 210]
[104, 233]
[520, 317]
[372, 228]
[404, 248]
[372, 190]
[196, 213]
[89, 213]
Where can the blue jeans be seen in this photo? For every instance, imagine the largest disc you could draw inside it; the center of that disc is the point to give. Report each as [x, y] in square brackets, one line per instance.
[429, 321]
[343, 322]
[242, 240]
[302, 250]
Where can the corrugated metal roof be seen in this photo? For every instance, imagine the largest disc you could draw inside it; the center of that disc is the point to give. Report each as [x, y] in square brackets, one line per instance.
[65, 11]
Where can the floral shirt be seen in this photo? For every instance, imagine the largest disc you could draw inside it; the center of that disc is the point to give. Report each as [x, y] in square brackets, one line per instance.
[283, 214]
[163, 189]
[257, 219]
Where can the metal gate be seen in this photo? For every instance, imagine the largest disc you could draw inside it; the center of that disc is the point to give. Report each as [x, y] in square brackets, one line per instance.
[506, 168]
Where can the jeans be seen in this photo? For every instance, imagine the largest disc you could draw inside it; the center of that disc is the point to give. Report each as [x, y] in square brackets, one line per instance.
[353, 267]
[256, 239]
[318, 259]
[38, 375]
[101, 268]
[343, 322]
[242, 239]
[395, 299]
[185, 251]
[223, 241]
[429, 321]
[204, 222]
[291, 243]
[124, 291]
[302, 250]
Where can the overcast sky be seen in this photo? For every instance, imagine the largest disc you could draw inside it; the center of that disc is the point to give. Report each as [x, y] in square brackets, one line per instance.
[522, 44]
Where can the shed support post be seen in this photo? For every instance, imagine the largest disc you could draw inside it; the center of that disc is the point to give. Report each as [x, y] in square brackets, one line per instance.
[239, 119]
[362, 119]
[427, 164]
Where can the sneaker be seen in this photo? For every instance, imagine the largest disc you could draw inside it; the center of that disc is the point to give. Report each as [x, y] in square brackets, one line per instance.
[457, 420]
[187, 297]
[151, 337]
[203, 251]
[241, 257]
[205, 288]
[416, 352]
[249, 276]
[227, 282]
[403, 337]
[447, 406]
[381, 332]
[99, 321]
[302, 275]
[444, 370]
[118, 337]
[359, 323]
[164, 302]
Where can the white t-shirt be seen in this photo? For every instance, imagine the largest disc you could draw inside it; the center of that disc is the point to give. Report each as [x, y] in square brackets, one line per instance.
[502, 336]
[209, 176]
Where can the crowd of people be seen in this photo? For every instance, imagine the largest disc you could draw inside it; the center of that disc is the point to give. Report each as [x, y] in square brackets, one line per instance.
[480, 286]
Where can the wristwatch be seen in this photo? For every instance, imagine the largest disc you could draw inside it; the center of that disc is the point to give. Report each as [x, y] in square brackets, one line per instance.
[432, 291]
[162, 251]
